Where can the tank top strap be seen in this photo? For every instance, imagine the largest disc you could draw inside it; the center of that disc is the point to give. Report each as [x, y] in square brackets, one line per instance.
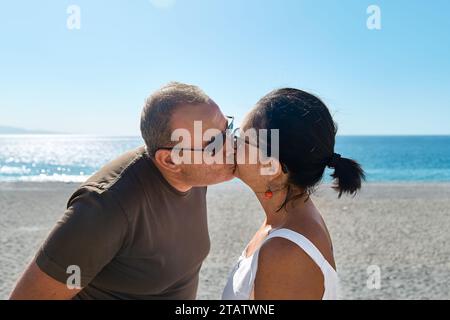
[303, 242]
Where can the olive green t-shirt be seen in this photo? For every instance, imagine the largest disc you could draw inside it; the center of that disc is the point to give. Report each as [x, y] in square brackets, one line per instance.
[132, 235]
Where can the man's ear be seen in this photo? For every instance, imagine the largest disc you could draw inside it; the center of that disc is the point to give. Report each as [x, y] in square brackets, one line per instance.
[164, 159]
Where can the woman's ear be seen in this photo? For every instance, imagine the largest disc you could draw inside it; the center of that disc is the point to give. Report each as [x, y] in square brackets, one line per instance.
[164, 159]
[271, 167]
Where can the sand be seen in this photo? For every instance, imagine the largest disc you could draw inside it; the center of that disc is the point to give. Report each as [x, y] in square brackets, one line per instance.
[401, 228]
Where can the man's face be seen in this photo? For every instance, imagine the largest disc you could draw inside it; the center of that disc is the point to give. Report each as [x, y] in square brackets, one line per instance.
[204, 124]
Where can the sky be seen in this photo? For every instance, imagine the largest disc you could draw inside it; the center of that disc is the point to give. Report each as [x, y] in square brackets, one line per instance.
[94, 80]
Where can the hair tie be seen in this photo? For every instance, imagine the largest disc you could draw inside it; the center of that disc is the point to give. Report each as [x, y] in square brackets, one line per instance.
[334, 160]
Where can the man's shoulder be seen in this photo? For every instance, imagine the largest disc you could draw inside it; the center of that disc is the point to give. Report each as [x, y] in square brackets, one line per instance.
[116, 172]
[117, 186]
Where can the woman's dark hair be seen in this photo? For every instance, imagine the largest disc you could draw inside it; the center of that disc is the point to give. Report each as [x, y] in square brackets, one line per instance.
[306, 140]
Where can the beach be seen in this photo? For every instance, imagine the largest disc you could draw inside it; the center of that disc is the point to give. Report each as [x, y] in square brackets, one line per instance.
[402, 228]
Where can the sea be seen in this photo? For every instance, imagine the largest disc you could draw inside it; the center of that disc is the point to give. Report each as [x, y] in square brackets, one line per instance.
[73, 158]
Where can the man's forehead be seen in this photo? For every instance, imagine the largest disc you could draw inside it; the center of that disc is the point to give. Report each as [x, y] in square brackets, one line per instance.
[209, 114]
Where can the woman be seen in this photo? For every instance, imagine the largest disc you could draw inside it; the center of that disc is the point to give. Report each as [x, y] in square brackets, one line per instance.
[291, 255]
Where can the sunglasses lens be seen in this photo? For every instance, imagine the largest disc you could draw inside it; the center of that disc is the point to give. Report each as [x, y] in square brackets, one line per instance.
[230, 123]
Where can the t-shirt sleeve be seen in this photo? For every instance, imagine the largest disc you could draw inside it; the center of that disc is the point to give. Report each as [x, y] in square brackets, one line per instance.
[88, 236]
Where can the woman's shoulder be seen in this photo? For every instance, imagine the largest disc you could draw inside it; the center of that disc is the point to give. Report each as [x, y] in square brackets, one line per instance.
[283, 265]
[316, 232]
[283, 251]
[302, 241]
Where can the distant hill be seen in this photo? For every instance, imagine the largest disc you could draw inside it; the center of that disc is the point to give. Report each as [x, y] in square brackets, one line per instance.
[13, 130]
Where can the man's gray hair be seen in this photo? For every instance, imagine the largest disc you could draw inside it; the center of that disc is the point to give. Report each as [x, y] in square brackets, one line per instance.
[156, 115]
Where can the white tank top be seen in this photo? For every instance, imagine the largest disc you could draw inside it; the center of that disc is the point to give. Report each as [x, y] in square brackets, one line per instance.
[240, 283]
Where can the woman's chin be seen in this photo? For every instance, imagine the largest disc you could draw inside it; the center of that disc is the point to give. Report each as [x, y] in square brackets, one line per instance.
[241, 172]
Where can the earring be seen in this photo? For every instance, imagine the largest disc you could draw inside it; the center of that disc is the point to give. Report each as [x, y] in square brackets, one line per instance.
[268, 194]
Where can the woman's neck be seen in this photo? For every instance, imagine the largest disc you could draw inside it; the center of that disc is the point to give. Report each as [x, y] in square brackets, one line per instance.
[275, 217]
[276, 213]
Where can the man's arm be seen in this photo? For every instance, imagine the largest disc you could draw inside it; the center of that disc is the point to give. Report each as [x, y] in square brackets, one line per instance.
[88, 236]
[34, 284]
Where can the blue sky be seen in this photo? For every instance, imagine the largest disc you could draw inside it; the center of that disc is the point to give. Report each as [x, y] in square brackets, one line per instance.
[94, 80]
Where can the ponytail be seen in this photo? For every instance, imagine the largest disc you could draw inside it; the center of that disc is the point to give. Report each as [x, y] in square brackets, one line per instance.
[347, 175]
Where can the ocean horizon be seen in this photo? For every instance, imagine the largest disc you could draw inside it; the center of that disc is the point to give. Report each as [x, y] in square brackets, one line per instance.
[73, 158]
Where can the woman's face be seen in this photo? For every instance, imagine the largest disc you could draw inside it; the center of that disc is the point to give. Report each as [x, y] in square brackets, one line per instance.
[249, 158]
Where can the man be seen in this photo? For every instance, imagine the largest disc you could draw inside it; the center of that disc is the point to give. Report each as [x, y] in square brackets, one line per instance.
[137, 229]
